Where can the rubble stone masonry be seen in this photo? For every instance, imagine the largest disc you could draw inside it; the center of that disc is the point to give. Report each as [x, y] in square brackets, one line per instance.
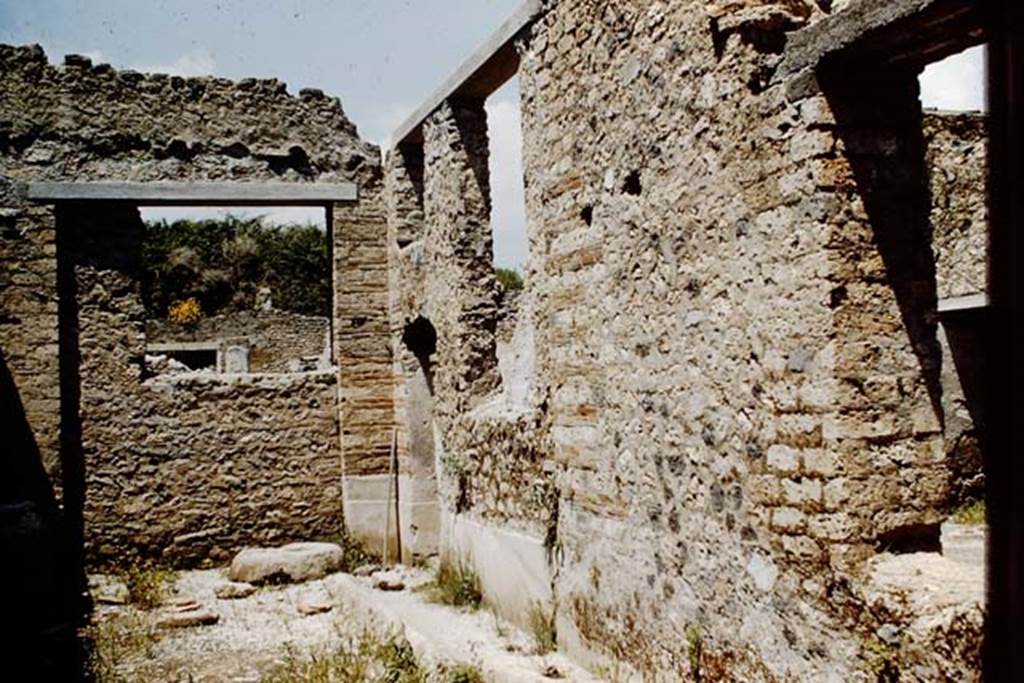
[737, 397]
[264, 441]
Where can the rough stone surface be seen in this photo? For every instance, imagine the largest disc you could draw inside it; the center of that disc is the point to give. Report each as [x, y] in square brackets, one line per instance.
[292, 563]
[234, 590]
[277, 341]
[737, 389]
[937, 608]
[957, 161]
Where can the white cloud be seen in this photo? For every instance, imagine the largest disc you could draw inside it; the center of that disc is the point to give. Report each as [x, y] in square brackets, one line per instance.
[199, 62]
[508, 209]
[957, 83]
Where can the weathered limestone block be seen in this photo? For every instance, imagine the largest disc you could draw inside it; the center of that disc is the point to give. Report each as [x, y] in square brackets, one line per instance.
[234, 590]
[293, 563]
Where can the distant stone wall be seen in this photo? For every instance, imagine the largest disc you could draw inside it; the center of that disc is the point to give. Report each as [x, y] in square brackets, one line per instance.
[275, 339]
[958, 180]
[188, 470]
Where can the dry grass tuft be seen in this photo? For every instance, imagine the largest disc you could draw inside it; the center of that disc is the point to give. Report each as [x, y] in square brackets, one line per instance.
[455, 583]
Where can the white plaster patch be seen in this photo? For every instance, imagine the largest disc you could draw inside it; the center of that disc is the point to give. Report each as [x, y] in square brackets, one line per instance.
[763, 571]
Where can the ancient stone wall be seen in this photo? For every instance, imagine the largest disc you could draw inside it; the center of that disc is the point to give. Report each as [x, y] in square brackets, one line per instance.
[183, 470]
[211, 465]
[736, 402]
[276, 339]
[79, 122]
[83, 122]
[957, 162]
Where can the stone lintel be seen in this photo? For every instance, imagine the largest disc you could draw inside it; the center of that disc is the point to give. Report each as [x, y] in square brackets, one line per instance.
[193, 193]
[911, 33]
[172, 347]
[485, 71]
[969, 302]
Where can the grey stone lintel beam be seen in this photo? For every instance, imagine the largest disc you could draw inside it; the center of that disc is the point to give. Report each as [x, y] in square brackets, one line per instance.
[193, 193]
[171, 347]
[908, 33]
[488, 69]
[970, 302]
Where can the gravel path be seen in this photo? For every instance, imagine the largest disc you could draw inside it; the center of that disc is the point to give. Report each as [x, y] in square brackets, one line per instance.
[255, 633]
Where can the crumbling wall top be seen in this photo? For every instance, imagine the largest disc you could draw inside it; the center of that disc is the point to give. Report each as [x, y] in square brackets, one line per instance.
[84, 121]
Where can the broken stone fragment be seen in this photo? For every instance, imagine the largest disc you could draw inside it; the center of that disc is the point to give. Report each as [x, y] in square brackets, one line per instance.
[107, 590]
[292, 563]
[186, 616]
[310, 606]
[389, 581]
[234, 591]
[366, 570]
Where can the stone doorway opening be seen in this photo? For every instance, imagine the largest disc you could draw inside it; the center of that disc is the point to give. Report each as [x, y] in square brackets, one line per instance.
[180, 469]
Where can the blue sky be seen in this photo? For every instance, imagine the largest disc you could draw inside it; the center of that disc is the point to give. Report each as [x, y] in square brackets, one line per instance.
[381, 57]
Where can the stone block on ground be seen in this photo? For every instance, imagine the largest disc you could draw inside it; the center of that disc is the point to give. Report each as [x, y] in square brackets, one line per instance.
[234, 591]
[965, 543]
[187, 616]
[107, 590]
[292, 563]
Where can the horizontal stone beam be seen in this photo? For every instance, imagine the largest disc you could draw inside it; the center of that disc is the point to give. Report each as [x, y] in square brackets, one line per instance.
[897, 32]
[488, 69]
[970, 302]
[193, 193]
[172, 347]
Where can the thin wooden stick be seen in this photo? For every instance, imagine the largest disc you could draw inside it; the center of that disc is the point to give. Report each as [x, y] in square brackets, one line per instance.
[398, 518]
[387, 507]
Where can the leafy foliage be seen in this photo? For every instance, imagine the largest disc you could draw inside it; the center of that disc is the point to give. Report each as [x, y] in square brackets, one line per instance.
[542, 626]
[147, 585]
[970, 513]
[185, 312]
[455, 583]
[223, 263]
[370, 658]
[509, 279]
[114, 638]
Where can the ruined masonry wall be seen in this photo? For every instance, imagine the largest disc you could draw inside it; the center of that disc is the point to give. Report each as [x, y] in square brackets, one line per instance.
[736, 383]
[184, 470]
[80, 121]
[275, 338]
[957, 163]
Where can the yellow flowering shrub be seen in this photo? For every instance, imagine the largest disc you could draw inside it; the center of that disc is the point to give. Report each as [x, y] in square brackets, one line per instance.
[185, 312]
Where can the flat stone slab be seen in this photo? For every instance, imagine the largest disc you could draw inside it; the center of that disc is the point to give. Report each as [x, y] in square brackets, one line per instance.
[234, 591]
[310, 606]
[107, 590]
[292, 563]
[187, 616]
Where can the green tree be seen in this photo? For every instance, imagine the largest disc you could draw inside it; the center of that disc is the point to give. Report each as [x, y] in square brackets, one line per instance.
[223, 263]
